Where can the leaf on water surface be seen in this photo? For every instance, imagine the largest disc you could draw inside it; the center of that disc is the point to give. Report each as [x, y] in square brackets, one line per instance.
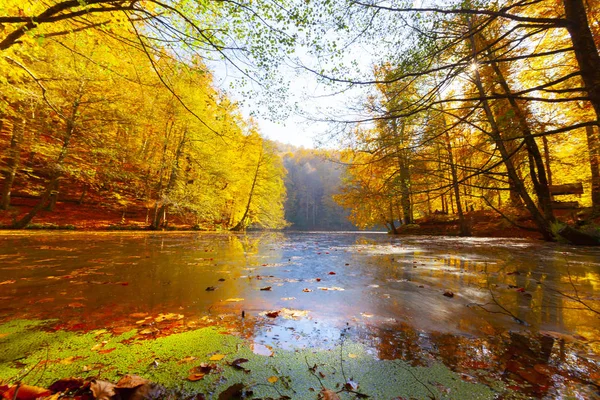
[306, 290]
[210, 289]
[236, 364]
[331, 273]
[76, 305]
[138, 315]
[106, 351]
[131, 382]
[327, 394]
[26, 392]
[102, 390]
[216, 357]
[288, 298]
[318, 279]
[366, 315]
[187, 359]
[267, 288]
[448, 293]
[233, 392]
[272, 314]
[333, 288]
[272, 379]
[168, 317]
[234, 300]
[351, 385]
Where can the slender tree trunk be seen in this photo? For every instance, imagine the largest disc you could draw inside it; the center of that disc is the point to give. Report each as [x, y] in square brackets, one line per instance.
[172, 181]
[242, 224]
[14, 159]
[536, 163]
[53, 196]
[594, 155]
[58, 165]
[542, 223]
[462, 221]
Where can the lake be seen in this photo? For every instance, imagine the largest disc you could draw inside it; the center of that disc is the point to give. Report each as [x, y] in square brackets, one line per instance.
[522, 312]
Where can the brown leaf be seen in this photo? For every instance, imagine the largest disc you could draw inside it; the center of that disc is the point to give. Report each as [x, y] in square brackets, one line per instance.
[232, 392]
[131, 382]
[26, 392]
[327, 394]
[63, 385]
[267, 288]
[272, 314]
[236, 364]
[448, 293]
[102, 390]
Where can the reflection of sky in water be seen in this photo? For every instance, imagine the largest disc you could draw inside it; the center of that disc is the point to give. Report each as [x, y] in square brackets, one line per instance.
[393, 299]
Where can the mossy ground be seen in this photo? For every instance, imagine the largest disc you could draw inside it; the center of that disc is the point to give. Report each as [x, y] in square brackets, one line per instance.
[167, 360]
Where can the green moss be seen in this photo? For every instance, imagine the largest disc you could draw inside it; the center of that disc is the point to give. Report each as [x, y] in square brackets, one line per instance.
[163, 360]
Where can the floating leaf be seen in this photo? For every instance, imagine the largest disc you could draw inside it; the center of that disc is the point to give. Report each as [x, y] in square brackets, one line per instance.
[327, 394]
[217, 357]
[236, 299]
[131, 382]
[267, 288]
[272, 314]
[272, 379]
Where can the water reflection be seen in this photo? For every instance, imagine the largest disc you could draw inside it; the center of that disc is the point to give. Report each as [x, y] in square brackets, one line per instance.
[520, 310]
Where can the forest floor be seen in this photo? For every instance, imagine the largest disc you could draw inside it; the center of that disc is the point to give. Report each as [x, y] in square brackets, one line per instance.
[98, 216]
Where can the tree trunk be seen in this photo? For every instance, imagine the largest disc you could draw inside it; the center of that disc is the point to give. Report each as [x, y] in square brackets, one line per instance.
[542, 223]
[58, 165]
[594, 153]
[241, 225]
[585, 50]
[14, 159]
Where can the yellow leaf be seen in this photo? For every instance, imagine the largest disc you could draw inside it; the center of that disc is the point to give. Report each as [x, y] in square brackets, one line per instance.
[352, 355]
[234, 300]
[217, 357]
[273, 379]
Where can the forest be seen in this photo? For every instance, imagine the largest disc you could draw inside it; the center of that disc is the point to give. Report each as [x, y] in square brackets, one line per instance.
[471, 108]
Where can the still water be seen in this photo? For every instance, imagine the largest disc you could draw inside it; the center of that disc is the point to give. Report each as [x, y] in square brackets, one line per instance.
[521, 310]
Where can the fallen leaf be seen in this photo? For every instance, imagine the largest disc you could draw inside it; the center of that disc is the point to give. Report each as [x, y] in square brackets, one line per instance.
[76, 305]
[232, 392]
[333, 288]
[210, 289]
[272, 379]
[272, 314]
[217, 357]
[195, 377]
[331, 273]
[236, 364]
[236, 299]
[63, 385]
[327, 394]
[26, 392]
[102, 390]
[448, 293]
[106, 351]
[131, 382]
[306, 290]
[267, 289]
[9, 282]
